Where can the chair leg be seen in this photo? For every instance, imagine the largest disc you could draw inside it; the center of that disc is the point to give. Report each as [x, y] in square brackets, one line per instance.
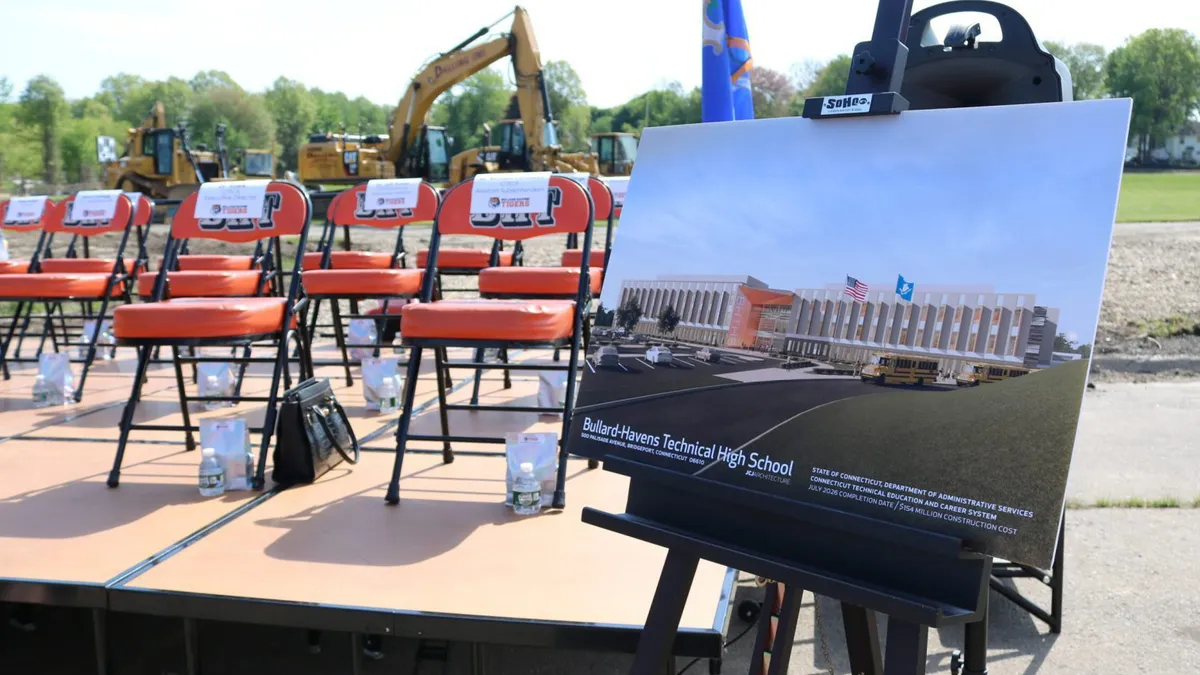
[189, 439]
[12, 329]
[439, 357]
[560, 481]
[315, 309]
[478, 377]
[503, 354]
[242, 366]
[340, 336]
[114, 476]
[281, 364]
[410, 390]
[304, 346]
[91, 350]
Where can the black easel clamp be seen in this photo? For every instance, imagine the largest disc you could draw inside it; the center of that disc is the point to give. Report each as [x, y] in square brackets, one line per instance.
[876, 70]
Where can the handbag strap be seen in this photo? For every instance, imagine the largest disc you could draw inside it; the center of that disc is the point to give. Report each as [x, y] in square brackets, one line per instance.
[333, 437]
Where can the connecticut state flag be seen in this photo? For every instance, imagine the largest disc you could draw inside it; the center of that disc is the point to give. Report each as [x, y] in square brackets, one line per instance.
[904, 289]
[726, 63]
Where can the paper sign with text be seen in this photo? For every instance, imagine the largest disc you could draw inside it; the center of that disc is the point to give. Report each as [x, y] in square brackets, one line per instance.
[510, 192]
[391, 193]
[619, 186]
[95, 205]
[25, 209]
[580, 177]
[240, 199]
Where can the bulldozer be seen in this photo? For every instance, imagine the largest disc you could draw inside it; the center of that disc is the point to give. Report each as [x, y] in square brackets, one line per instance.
[159, 163]
[415, 148]
[616, 152]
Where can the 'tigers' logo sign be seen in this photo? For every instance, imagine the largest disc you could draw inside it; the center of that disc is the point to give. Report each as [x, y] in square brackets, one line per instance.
[520, 220]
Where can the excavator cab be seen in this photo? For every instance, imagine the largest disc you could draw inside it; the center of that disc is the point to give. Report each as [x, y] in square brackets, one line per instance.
[429, 157]
[512, 155]
[616, 152]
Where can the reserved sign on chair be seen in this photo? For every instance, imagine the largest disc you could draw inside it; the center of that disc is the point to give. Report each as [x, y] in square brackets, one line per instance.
[510, 192]
[95, 205]
[234, 199]
[22, 210]
[389, 194]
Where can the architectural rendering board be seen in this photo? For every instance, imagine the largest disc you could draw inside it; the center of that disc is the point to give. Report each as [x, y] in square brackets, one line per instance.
[890, 316]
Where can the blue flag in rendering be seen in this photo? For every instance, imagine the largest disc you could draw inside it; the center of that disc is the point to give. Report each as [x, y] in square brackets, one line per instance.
[904, 289]
[726, 63]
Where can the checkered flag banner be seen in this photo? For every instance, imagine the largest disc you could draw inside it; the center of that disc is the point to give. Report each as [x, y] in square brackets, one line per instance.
[106, 149]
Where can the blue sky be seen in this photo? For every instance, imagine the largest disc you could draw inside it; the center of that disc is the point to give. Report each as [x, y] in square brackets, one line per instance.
[372, 48]
[1018, 197]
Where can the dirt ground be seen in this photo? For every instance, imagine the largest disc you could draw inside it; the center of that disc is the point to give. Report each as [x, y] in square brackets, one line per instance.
[1152, 289]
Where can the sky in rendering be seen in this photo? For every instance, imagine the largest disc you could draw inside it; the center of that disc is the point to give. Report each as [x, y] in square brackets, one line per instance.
[1021, 198]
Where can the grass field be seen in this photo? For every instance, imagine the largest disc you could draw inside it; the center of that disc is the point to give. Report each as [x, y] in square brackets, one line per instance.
[1159, 197]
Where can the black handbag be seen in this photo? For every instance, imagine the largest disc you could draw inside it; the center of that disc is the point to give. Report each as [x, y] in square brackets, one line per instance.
[313, 434]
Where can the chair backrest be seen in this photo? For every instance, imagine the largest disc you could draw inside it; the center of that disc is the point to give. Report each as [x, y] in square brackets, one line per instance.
[71, 220]
[568, 209]
[14, 223]
[348, 209]
[143, 210]
[286, 211]
[602, 198]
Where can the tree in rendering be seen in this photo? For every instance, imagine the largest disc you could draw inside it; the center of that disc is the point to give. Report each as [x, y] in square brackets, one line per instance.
[629, 314]
[668, 320]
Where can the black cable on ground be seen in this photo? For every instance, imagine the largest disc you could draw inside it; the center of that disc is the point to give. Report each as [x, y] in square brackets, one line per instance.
[727, 645]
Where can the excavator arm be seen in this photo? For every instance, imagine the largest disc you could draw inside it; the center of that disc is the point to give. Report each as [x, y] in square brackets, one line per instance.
[443, 73]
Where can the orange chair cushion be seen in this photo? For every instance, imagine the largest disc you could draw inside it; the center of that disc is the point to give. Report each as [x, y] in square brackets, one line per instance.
[13, 266]
[350, 260]
[573, 257]
[363, 282]
[54, 285]
[516, 320]
[464, 258]
[394, 307]
[562, 281]
[198, 284]
[200, 318]
[78, 265]
[211, 263]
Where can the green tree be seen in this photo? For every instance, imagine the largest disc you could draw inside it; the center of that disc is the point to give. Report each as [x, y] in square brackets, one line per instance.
[294, 112]
[1160, 70]
[568, 104]
[829, 80]
[44, 106]
[669, 319]
[117, 93]
[604, 316]
[89, 119]
[248, 122]
[772, 92]
[1086, 63]
[212, 79]
[629, 314]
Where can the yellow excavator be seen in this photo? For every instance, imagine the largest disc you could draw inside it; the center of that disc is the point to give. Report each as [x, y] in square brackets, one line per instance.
[331, 159]
[158, 162]
[416, 148]
[615, 151]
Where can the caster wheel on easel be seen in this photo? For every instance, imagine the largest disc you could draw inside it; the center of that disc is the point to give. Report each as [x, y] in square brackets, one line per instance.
[748, 610]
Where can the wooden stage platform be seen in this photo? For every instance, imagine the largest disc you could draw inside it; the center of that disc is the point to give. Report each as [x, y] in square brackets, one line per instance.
[450, 563]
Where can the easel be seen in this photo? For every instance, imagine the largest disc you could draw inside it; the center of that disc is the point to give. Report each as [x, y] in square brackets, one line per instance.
[918, 579]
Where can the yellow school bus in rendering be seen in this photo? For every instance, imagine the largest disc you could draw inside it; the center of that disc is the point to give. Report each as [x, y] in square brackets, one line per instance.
[896, 369]
[978, 374]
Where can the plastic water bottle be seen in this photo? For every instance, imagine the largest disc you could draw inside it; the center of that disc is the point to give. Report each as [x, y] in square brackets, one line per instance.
[212, 387]
[527, 492]
[388, 401]
[107, 344]
[41, 392]
[212, 474]
[249, 465]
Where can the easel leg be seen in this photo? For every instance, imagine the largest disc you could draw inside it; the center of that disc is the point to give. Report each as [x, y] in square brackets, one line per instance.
[1056, 581]
[975, 645]
[666, 610]
[191, 646]
[862, 640]
[785, 631]
[100, 635]
[355, 653]
[906, 646]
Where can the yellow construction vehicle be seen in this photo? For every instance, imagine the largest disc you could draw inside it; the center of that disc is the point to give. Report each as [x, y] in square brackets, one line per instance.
[616, 152]
[158, 162]
[330, 159]
[415, 148]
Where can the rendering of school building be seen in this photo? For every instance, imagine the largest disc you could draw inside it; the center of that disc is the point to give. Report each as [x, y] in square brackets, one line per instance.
[955, 324]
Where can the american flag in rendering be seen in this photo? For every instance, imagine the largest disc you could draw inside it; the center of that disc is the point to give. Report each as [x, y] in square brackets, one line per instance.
[856, 289]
